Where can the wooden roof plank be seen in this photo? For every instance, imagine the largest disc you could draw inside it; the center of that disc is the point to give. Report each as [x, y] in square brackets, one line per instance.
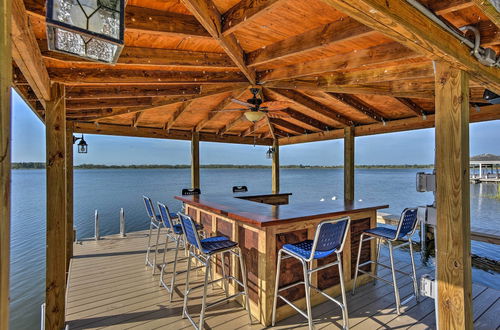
[209, 16]
[418, 110]
[360, 106]
[244, 12]
[446, 7]
[221, 106]
[255, 126]
[288, 126]
[124, 91]
[489, 10]
[176, 115]
[406, 25]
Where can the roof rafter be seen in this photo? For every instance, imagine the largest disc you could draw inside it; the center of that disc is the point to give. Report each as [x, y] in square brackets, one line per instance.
[244, 12]
[241, 118]
[446, 7]
[255, 126]
[418, 110]
[288, 126]
[124, 91]
[176, 115]
[489, 10]
[209, 16]
[401, 21]
[360, 106]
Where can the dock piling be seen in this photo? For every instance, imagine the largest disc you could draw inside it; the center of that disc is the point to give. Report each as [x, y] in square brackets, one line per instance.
[122, 223]
[96, 226]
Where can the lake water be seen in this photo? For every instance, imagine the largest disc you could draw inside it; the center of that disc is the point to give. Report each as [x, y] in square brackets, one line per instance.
[109, 190]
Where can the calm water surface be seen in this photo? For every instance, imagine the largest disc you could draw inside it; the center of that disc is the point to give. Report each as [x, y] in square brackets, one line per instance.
[110, 190]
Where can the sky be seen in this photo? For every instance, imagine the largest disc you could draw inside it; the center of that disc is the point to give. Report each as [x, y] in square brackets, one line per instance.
[411, 147]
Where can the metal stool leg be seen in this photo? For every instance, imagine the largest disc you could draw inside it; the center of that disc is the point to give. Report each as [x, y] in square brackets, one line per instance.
[415, 285]
[377, 241]
[204, 299]
[276, 285]
[307, 286]
[245, 283]
[156, 248]
[396, 290]
[174, 271]
[345, 315]
[149, 242]
[357, 264]
[225, 280]
[164, 263]
[184, 307]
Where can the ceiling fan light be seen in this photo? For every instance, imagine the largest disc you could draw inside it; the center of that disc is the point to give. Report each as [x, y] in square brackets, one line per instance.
[254, 116]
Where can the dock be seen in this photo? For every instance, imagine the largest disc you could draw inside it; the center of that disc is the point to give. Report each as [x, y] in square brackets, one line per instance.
[109, 287]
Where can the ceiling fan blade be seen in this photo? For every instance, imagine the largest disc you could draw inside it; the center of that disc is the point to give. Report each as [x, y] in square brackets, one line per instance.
[229, 110]
[246, 104]
[276, 104]
[278, 115]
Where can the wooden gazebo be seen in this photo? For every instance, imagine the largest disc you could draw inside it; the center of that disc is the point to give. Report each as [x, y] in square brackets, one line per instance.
[346, 69]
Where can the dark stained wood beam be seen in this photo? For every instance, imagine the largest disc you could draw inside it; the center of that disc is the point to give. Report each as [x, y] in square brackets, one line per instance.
[324, 36]
[313, 105]
[124, 91]
[219, 107]
[176, 115]
[418, 110]
[145, 20]
[122, 130]
[359, 105]
[151, 57]
[402, 22]
[244, 12]
[124, 76]
[209, 16]
[384, 53]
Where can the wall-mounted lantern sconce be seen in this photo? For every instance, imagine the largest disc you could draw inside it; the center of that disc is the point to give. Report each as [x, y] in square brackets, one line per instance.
[269, 153]
[82, 145]
[91, 29]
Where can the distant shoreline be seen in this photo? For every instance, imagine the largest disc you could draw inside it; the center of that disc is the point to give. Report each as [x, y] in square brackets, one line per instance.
[34, 166]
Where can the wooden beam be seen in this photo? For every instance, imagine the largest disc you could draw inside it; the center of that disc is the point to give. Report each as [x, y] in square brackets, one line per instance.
[349, 163]
[384, 53]
[175, 116]
[453, 198]
[446, 7]
[487, 7]
[55, 123]
[313, 105]
[209, 16]
[244, 12]
[158, 133]
[487, 113]
[295, 129]
[136, 119]
[221, 106]
[121, 92]
[26, 54]
[126, 76]
[101, 103]
[151, 57]
[69, 195]
[418, 110]
[5, 158]
[402, 22]
[307, 120]
[359, 105]
[272, 131]
[145, 20]
[275, 168]
[195, 160]
[255, 126]
[323, 36]
[232, 123]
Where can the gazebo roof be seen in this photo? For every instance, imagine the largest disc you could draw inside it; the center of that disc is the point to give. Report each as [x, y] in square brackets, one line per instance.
[363, 63]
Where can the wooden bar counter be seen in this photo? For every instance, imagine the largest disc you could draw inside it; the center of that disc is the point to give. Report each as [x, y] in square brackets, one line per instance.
[262, 223]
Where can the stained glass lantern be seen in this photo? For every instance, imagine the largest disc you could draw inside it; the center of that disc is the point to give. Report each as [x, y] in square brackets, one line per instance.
[82, 145]
[91, 29]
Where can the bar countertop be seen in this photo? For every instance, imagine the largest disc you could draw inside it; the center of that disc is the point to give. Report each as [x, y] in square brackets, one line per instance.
[238, 208]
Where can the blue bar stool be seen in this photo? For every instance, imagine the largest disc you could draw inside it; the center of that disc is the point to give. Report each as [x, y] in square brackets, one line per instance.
[329, 238]
[405, 230]
[156, 223]
[203, 250]
[175, 234]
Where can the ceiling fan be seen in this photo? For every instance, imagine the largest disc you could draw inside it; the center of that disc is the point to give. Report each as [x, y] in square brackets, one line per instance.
[257, 109]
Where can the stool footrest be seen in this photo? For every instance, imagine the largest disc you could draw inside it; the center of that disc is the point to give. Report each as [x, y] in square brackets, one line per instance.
[375, 276]
[220, 301]
[290, 286]
[293, 306]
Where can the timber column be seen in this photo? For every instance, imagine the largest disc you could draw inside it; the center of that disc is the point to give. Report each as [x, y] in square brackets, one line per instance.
[69, 194]
[5, 157]
[349, 163]
[276, 167]
[195, 160]
[453, 198]
[55, 125]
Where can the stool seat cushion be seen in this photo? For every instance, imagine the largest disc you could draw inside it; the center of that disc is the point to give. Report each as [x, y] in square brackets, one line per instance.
[383, 232]
[178, 228]
[214, 244]
[303, 249]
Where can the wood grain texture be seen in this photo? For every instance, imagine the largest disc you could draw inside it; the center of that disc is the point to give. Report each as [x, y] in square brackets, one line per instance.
[55, 124]
[195, 160]
[69, 194]
[225, 228]
[244, 12]
[5, 158]
[453, 198]
[357, 228]
[349, 163]
[249, 245]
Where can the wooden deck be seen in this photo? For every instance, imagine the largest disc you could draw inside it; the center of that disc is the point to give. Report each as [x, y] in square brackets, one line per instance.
[109, 287]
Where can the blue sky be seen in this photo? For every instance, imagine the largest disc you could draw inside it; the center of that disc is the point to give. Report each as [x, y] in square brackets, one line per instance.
[412, 147]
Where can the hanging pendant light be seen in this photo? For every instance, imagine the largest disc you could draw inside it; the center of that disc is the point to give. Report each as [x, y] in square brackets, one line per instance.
[269, 153]
[82, 145]
[91, 29]
[254, 116]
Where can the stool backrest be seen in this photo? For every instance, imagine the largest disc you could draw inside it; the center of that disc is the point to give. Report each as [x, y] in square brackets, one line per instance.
[330, 235]
[149, 206]
[194, 191]
[165, 215]
[237, 189]
[408, 222]
[189, 230]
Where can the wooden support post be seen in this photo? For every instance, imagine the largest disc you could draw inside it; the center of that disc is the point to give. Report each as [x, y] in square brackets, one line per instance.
[195, 160]
[276, 167]
[349, 163]
[69, 194]
[453, 198]
[5, 158]
[55, 125]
